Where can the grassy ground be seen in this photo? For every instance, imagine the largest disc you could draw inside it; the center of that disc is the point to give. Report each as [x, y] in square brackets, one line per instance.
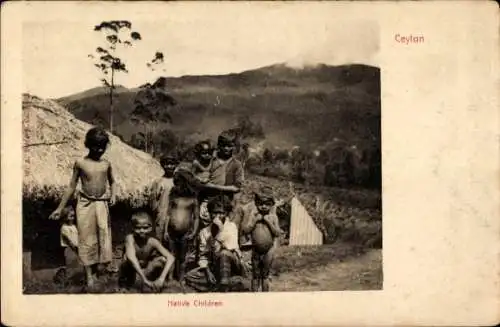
[331, 267]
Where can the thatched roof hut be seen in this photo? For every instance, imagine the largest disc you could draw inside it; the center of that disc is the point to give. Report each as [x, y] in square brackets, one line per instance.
[53, 139]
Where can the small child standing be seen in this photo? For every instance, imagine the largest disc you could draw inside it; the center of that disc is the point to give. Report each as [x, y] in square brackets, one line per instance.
[92, 212]
[263, 228]
[204, 154]
[160, 194]
[69, 241]
[183, 221]
[144, 256]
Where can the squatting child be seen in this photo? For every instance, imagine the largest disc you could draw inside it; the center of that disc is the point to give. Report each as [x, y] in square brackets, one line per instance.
[144, 256]
[92, 212]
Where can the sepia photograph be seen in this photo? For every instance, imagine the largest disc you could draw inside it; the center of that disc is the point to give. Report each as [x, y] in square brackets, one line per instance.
[171, 156]
[220, 163]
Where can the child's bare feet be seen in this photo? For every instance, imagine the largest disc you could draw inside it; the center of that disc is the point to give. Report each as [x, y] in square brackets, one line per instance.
[255, 285]
[112, 269]
[182, 284]
[265, 285]
[60, 276]
[123, 290]
[91, 284]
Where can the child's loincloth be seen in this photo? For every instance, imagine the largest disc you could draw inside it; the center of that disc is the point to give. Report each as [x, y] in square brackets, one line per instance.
[94, 232]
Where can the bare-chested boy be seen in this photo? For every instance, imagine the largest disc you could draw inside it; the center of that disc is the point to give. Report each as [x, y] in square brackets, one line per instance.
[183, 220]
[160, 194]
[262, 225]
[144, 256]
[92, 213]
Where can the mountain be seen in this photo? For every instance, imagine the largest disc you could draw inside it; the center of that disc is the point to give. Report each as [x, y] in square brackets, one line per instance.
[295, 106]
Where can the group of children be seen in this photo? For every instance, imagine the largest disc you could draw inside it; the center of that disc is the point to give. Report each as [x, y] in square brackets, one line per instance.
[191, 205]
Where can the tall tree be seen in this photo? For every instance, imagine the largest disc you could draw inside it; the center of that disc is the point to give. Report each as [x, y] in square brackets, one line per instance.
[152, 102]
[118, 34]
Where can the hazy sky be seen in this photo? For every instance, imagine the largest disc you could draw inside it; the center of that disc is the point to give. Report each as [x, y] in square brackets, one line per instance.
[210, 41]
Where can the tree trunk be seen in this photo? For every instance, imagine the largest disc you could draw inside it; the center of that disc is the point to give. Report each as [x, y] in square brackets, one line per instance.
[145, 138]
[153, 131]
[111, 100]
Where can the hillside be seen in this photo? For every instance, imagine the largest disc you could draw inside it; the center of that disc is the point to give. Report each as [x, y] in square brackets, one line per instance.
[305, 106]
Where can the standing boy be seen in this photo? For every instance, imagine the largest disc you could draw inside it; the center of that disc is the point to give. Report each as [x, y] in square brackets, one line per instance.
[182, 222]
[92, 213]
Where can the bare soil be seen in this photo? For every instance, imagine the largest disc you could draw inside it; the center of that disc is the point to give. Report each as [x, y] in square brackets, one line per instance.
[333, 267]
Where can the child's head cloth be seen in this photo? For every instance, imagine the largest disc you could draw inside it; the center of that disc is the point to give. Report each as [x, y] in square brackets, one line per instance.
[96, 136]
[265, 194]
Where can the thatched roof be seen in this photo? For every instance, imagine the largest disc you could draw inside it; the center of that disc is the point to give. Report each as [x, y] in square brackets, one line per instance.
[53, 139]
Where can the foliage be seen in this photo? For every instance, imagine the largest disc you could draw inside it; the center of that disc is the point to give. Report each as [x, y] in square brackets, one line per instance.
[338, 165]
[151, 106]
[246, 128]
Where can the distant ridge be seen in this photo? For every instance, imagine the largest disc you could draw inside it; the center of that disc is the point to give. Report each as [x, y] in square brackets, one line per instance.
[307, 105]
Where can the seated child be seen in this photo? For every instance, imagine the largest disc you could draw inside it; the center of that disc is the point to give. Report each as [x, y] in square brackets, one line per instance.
[220, 256]
[144, 256]
[69, 241]
[263, 228]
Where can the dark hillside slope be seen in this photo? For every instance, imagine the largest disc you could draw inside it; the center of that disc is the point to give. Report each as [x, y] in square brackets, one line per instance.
[295, 106]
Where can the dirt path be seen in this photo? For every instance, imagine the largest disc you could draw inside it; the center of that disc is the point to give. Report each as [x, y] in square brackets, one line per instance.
[325, 268]
[363, 272]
